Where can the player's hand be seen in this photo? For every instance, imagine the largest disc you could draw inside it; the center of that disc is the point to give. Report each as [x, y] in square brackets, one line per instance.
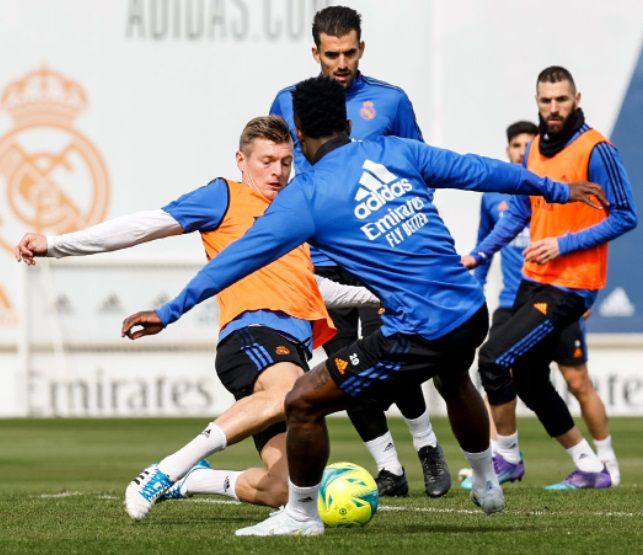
[542, 251]
[589, 193]
[30, 246]
[148, 320]
[587, 314]
[468, 261]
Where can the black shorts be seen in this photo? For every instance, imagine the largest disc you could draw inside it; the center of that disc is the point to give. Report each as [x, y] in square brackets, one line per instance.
[379, 369]
[571, 349]
[247, 352]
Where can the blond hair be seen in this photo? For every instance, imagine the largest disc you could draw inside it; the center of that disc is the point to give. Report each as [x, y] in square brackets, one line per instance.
[271, 128]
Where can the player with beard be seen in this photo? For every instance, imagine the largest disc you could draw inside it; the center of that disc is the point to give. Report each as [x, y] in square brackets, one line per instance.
[375, 109]
[571, 351]
[565, 267]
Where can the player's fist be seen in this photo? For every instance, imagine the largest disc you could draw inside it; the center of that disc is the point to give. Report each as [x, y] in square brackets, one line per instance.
[148, 321]
[30, 246]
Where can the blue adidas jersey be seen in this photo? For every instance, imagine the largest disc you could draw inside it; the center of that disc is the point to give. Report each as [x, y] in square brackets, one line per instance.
[375, 109]
[368, 205]
[492, 208]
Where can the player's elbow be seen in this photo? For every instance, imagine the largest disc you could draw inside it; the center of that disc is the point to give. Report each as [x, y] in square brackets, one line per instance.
[631, 220]
[627, 220]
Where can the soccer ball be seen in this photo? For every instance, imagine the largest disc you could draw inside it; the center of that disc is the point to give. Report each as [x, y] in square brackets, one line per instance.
[347, 496]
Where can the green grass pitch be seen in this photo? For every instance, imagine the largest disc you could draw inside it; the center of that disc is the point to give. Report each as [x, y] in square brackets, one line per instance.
[62, 482]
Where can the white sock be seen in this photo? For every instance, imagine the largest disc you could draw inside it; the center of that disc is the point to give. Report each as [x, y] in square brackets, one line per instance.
[508, 448]
[584, 458]
[604, 449]
[302, 501]
[422, 431]
[209, 441]
[494, 446]
[210, 481]
[383, 451]
[482, 467]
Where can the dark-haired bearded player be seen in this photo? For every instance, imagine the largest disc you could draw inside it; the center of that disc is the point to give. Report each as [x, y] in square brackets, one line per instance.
[376, 109]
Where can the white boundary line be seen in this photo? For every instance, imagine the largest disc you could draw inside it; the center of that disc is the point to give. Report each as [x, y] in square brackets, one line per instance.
[381, 508]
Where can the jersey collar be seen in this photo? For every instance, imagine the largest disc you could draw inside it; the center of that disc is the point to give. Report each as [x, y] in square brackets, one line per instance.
[329, 146]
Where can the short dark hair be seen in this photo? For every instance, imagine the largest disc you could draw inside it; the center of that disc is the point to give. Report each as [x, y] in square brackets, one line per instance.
[271, 128]
[319, 107]
[336, 21]
[555, 74]
[519, 128]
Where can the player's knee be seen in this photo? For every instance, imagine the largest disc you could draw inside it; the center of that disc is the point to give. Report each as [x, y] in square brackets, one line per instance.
[496, 381]
[578, 383]
[530, 391]
[452, 384]
[275, 409]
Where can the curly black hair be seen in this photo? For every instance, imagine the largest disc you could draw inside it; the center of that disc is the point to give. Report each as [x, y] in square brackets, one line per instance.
[320, 107]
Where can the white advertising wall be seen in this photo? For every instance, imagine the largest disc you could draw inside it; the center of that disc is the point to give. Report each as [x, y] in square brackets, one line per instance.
[109, 107]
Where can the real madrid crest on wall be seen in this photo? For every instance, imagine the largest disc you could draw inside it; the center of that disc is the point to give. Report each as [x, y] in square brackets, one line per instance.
[52, 178]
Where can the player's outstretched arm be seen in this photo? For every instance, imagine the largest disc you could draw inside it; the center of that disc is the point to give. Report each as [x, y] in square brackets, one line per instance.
[30, 246]
[443, 168]
[147, 321]
[119, 233]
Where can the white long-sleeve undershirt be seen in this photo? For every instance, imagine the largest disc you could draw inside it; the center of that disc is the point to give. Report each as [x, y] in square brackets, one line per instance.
[141, 227]
[111, 235]
[338, 295]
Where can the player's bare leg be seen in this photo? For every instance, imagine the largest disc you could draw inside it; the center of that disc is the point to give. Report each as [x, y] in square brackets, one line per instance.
[268, 485]
[594, 415]
[244, 418]
[314, 396]
[592, 407]
[264, 407]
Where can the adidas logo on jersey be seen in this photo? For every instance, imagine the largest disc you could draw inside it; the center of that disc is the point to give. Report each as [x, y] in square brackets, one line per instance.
[377, 187]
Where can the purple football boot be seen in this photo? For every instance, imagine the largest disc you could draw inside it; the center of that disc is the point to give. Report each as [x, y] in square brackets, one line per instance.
[584, 480]
[506, 471]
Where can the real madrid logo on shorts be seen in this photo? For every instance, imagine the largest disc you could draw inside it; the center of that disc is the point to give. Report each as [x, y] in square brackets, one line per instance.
[52, 178]
[367, 111]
